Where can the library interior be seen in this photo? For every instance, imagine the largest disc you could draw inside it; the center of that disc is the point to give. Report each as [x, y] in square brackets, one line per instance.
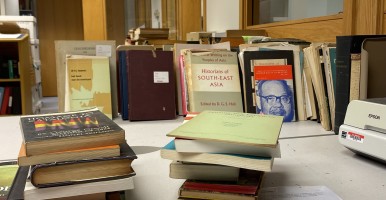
[192, 99]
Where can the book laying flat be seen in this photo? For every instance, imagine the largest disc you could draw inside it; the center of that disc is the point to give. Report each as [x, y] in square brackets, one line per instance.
[88, 153]
[246, 188]
[206, 146]
[85, 170]
[232, 127]
[232, 160]
[202, 171]
[47, 133]
[8, 171]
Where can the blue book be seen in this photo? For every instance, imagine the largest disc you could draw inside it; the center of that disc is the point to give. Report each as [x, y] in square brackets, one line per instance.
[1, 95]
[123, 87]
[232, 160]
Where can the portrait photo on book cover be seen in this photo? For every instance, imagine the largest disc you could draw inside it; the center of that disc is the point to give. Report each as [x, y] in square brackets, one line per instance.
[275, 97]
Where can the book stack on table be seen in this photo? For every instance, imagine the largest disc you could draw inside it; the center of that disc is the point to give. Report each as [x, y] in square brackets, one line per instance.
[72, 154]
[223, 155]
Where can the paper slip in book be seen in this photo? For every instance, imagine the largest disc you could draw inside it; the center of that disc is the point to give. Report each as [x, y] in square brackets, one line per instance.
[232, 127]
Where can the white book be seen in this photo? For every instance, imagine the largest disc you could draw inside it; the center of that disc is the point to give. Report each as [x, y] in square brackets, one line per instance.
[31, 192]
[206, 146]
[202, 171]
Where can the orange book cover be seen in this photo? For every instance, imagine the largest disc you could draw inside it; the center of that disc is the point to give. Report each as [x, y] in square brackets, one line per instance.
[275, 92]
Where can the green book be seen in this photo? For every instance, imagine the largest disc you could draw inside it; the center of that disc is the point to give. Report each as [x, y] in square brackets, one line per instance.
[7, 174]
[233, 127]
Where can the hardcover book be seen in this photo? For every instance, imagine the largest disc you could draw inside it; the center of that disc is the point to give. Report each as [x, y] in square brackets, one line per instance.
[275, 91]
[246, 188]
[84, 170]
[91, 48]
[151, 85]
[88, 153]
[8, 172]
[47, 133]
[88, 84]
[212, 81]
[231, 160]
[202, 171]
[254, 58]
[232, 127]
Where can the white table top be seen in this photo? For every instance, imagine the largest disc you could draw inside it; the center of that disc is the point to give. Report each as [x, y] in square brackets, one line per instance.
[310, 157]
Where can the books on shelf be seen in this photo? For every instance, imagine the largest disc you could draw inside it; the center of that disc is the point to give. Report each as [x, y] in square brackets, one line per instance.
[212, 80]
[84, 170]
[232, 127]
[78, 154]
[202, 171]
[232, 160]
[88, 83]
[246, 188]
[47, 133]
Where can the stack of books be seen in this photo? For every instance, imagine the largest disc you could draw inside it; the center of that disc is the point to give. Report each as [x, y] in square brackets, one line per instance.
[149, 33]
[71, 154]
[223, 155]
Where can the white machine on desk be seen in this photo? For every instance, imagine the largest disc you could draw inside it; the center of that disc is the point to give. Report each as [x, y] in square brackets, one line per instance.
[364, 128]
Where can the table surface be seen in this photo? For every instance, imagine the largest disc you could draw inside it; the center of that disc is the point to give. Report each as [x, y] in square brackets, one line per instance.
[310, 157]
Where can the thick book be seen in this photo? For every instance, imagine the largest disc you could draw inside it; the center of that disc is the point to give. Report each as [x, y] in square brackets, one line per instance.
[151, 85]
[213, 81]
[87, 153]
[123, 105]
[202, 171]
[232, 127]
[254, 58]
[275, 91]
[8, 171]
[232, 160]
[246, 188]
[88, 84]
[84, 170]
[47, 133]
[81, 47]
[345, 46]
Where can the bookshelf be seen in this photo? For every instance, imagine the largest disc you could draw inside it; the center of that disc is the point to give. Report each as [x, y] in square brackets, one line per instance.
[18, 49]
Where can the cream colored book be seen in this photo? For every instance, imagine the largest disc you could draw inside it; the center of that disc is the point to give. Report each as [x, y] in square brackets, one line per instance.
[88, 84]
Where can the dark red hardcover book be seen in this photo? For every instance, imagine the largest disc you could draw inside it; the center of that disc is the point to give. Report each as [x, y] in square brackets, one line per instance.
[4, 105]
[151, 85]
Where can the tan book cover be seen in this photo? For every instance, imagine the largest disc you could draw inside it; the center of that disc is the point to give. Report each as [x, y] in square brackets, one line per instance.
[213, 80]
[80, 47]
[88, 84]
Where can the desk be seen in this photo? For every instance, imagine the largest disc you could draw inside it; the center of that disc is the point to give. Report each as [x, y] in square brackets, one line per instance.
[310, 156]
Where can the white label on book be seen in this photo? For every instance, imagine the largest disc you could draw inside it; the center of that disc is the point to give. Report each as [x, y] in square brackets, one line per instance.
[161, 77]
[103, 50]
[355, 137]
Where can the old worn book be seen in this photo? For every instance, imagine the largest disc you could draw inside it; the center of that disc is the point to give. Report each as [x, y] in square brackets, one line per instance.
[92, 48]
[47, 133]
[78, 154]
[232, 127]
[151, 85]
[8, 170]
[88, 84]
[213, 81]
[177, 52]
[246, 188]
[84, 170]
[232, 160]
[202, 171]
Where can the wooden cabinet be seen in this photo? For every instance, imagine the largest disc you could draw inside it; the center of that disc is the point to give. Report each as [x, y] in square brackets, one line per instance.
[22, 82]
